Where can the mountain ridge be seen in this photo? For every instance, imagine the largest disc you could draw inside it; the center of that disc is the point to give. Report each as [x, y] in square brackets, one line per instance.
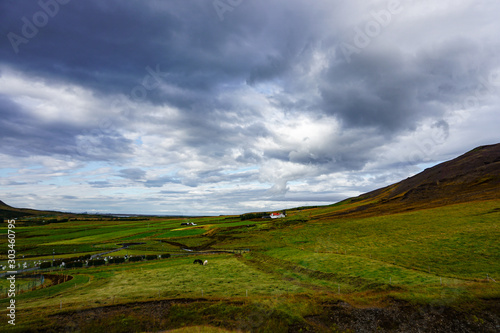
[472, 176]
[9, 212]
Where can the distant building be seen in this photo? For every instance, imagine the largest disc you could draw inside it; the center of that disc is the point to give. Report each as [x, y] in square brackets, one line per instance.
[277, 215]
[188, 223]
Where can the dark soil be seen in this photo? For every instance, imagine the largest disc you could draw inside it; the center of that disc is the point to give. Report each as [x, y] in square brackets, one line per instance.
[402, 317]
[335, 316]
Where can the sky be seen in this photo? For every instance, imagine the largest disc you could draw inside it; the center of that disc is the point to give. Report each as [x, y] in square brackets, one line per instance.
[203, 107]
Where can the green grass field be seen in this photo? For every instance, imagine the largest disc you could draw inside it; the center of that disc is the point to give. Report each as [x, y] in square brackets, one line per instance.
[448, 256]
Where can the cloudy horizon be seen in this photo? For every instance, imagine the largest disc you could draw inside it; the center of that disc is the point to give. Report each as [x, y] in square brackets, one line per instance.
[232, 106]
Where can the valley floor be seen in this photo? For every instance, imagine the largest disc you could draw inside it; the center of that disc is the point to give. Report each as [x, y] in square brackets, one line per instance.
[429, 270]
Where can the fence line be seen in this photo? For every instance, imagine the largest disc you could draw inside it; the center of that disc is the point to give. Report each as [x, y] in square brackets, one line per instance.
[174, 254]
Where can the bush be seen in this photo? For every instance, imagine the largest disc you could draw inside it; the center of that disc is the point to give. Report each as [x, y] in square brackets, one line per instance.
[165, 255]
[46, 264]
[151, 257]
[250, 216]
[132, 259]
[116, 260]
[57, 263]
[96, 262]
[72, 264]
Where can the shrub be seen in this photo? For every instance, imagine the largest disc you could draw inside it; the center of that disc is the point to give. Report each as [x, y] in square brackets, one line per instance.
[72, 264]
[57, 263]
[46, 264]
[151, 257]
[116, 260]
[96, 262]
[250, 216]
[165, 255]
[132, 259]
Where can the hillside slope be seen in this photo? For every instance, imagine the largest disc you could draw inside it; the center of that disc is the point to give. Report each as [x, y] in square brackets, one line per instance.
[8, 212]
[469, 177]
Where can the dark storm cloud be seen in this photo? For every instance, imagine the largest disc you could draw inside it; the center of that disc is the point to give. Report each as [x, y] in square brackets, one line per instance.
[92, 43]
[115, 46]
[109, 45]
[373, 90]
[176, 53]
[24, 134]
[393, 91]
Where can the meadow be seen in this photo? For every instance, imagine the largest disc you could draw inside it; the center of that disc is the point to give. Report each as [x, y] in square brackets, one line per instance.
[262, 275]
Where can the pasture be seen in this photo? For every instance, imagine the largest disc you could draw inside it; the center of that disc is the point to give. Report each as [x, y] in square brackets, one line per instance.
[262, 274]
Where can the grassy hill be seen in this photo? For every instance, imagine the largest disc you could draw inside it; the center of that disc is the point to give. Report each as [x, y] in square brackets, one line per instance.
[7, 212]
[471, 177]
[420, 255]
